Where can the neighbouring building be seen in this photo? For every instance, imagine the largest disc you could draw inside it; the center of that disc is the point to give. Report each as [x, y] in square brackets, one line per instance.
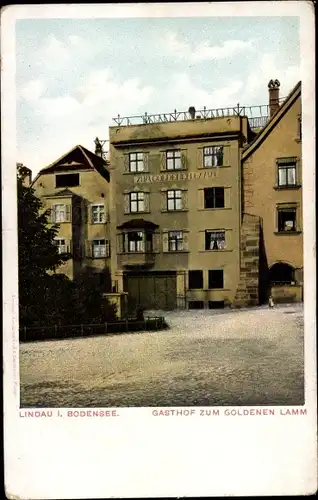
[272, 205]
[76, 190]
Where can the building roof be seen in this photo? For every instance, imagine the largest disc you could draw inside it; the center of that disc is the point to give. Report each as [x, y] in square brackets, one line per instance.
[78, 158]
[138, 224]
[261, 136]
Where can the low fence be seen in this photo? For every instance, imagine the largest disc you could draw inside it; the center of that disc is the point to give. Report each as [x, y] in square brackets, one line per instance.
[152, 323]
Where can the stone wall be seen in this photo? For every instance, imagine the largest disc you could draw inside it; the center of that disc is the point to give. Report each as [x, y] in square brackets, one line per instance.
[247, 293]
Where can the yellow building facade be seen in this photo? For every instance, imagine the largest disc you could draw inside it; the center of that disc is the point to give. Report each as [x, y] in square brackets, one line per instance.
[272, 190]
[191, 210]
[75, 189]
[175, 210]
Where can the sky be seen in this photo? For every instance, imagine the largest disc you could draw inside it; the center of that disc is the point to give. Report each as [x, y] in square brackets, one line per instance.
[73, 76]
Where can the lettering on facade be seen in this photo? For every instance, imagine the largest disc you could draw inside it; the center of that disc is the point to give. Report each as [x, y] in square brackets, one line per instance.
[171, 177]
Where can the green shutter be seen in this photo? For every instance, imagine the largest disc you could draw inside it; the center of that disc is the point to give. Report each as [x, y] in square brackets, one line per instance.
[184, 160]
[126, 163]
[126, 204]
[145, 159]
[68, 213]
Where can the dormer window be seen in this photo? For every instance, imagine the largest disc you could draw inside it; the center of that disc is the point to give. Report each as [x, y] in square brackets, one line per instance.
[67, 180]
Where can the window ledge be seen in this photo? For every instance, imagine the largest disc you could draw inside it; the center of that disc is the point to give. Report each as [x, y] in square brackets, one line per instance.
[219, 208]
[138, 253]
[217, 289]
[215, 168]
[287, 233]
[175, 251]
[171, 171]
[281, 188]
[174, 211]
[219, 250]
[137, 213]
[137, 172]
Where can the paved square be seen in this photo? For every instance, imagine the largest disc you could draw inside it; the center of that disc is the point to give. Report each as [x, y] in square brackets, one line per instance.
[206, 358]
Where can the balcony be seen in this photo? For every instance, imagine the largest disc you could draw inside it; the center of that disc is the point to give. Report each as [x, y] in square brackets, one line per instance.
[137, 259]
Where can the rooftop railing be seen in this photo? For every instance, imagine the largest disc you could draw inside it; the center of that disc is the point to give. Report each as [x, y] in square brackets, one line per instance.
[257, 115]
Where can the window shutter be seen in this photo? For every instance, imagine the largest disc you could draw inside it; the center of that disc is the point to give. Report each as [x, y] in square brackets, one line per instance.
[126, 204]
[155, 242]
[184, 160]
[53, 214]
[147, 202]
[145, 160]
[68, 245]
[200, 158]
[184, 196]
[185, 241]
[67, 213]
[126, 163]
[163, 201]
[163, 161]
[120, 242]
[88, 249]
[107, 248]
[105, 218]
[165, 247]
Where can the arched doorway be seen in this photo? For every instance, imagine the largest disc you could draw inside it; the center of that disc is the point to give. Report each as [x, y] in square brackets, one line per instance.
[281, 273]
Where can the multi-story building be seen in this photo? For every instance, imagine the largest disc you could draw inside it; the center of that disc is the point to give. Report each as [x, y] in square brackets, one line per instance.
[176, 208]
[272, 178]
[194, 210]
[75, 188]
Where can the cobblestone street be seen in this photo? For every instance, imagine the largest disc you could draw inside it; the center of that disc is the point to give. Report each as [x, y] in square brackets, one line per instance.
[206, 358]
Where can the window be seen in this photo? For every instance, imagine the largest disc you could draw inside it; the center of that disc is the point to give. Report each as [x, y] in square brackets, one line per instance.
[175, 241]
[137, 202]
[136, 162]
[66, 180]
[286, 219]
[195, 280]
[196, 304]
[62, 246]
[216, 304]
[135, 241]
[173, 159]
[214, 197]
[100, 249]
[286, 172]
[215, 240]
[60, 213]
[216, 279]
[174, 199]
[98, 214]
[213, 156]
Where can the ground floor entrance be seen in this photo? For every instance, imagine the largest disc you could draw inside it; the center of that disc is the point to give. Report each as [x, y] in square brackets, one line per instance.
[151, 290]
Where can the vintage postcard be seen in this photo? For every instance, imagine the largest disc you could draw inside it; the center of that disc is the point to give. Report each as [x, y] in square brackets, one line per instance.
[159, 250]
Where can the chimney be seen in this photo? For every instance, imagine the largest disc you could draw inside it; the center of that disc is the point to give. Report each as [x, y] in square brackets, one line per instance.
[192, 112]
[273, 90]
[98, 148]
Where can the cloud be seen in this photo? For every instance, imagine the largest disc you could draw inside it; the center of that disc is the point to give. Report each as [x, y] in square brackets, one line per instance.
[33, 90]
[204, 51]
[269, 67]
[191, 94]
[79, 117]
